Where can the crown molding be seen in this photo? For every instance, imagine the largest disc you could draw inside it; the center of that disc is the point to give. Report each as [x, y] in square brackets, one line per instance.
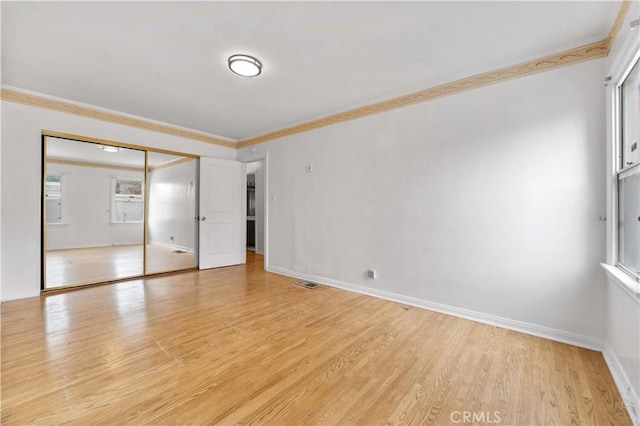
[617, 23]
[548, 63]
[558, 60]
[170, 163]
[111, 117]
[93, 165]
[79, 138]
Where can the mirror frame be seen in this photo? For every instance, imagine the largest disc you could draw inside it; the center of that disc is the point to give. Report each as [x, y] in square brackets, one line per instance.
[43, 230]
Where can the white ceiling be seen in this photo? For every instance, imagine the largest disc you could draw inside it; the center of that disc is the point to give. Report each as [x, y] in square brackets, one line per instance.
[167, 60]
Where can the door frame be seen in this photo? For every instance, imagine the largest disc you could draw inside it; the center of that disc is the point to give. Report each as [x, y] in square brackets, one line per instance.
[264, 157]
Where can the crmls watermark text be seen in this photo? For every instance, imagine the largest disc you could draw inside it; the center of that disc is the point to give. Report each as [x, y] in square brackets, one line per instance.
[475, 417]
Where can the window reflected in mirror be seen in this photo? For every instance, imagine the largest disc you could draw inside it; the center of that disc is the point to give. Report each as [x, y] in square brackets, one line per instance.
[93, 212]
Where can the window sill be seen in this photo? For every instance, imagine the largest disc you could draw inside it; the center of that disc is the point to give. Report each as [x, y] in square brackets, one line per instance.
[623, 280]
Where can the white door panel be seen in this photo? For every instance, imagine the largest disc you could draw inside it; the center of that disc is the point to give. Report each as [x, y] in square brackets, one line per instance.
[222, 213]
[221, 238]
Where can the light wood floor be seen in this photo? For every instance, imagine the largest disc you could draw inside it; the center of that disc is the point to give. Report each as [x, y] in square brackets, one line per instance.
[93, 265]
[239, 345]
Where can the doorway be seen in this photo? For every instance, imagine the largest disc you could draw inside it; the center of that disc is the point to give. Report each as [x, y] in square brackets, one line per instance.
[112, 212]
[257, 209]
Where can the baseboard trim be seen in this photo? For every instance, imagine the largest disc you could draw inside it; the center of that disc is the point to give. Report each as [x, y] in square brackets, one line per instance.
[519, 326]
[627, 392]
[172, 246]
[18, 297]
[90, 245]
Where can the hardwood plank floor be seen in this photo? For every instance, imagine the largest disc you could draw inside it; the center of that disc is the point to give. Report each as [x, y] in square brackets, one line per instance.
[240, 345]
[99, 264]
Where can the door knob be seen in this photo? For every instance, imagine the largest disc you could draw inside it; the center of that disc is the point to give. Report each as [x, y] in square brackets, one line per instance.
[203, 218]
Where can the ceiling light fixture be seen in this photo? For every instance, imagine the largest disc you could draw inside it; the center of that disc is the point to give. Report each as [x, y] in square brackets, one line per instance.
[245, 65]
[108, 148]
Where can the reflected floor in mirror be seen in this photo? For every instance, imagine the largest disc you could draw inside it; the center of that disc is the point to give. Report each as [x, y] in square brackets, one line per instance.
[93, 265]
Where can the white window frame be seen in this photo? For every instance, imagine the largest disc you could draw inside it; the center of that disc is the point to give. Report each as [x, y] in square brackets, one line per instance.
[619, 71]
[115, 197]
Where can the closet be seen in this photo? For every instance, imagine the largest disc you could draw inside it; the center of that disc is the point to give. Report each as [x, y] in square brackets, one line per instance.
[111, 212]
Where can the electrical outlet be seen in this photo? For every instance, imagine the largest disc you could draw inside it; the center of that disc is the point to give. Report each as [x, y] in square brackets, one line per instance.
[371, 273]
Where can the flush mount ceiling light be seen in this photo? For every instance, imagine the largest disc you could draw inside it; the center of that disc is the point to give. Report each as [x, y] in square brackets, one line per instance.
[108, 148]
[245, 65]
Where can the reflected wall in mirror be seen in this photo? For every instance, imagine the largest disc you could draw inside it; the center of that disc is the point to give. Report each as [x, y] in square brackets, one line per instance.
[172, 226]
[94, 213]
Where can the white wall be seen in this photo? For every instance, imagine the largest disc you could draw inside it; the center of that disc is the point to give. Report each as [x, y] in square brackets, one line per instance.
[21, 174]
[622, 349]
[0, 178]
[86, 210]
[622, 311]
[1, 204]
[486, 201]
[172, 206]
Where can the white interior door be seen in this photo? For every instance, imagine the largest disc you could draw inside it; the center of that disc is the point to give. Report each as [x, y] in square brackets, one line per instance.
[222, 213]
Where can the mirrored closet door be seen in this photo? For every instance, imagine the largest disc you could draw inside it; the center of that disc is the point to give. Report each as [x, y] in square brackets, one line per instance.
[172, 227]
[112, 212]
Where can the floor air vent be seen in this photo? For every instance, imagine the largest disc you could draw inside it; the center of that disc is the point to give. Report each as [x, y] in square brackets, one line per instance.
[307, 284]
